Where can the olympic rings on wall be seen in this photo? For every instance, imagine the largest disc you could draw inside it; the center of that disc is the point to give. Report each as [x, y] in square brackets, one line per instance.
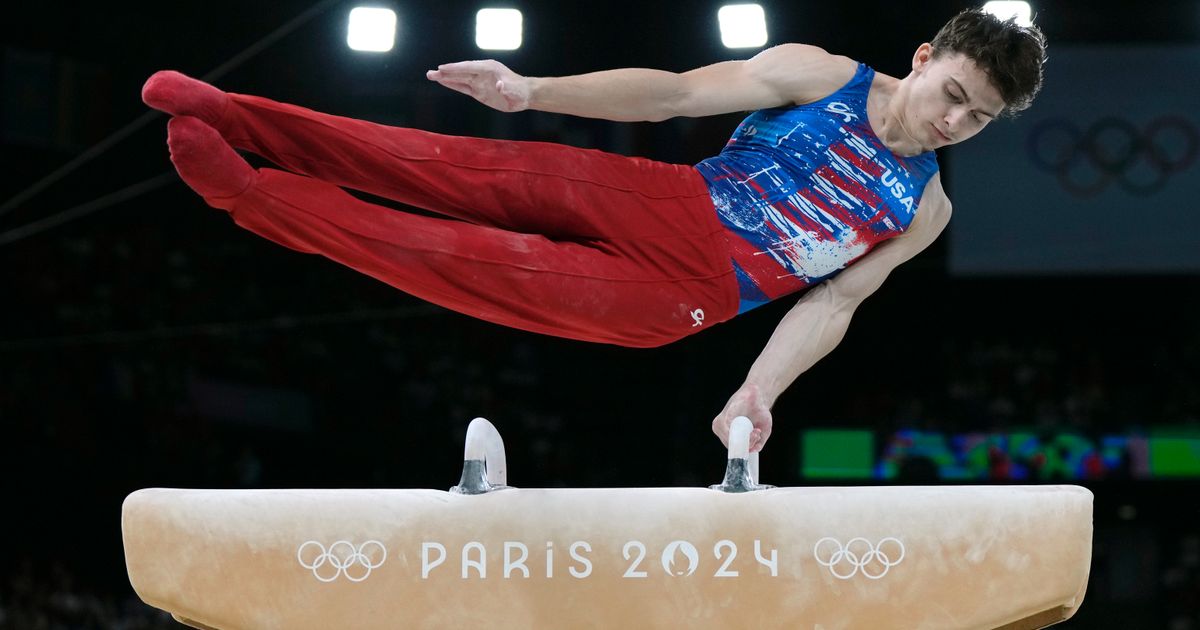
[343, 558]
[844, 562]
[1086, 162]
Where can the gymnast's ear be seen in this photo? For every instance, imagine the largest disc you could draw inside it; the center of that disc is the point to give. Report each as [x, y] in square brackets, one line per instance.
[923, 56]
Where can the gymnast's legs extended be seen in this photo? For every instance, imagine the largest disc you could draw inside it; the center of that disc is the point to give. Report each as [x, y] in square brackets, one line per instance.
[544, 237]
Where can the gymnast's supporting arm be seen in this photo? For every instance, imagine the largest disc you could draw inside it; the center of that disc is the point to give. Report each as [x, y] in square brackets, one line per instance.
[778, 76]
[819, 320]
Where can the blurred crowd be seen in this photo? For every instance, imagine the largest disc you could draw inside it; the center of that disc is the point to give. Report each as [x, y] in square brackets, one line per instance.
[36, 597]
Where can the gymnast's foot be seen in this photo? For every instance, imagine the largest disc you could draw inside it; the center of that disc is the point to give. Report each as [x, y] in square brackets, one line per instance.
[207, 163]
[180, 95]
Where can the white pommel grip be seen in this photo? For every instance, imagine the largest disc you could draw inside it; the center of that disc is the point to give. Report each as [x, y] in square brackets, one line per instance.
[485, 444]
[741, 469]
[739, 437]
[739, 445]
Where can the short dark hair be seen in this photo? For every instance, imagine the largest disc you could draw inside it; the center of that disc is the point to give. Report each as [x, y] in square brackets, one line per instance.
[1011, 55]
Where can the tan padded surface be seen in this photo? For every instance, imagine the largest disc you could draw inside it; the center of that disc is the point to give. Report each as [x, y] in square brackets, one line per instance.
[955, 557]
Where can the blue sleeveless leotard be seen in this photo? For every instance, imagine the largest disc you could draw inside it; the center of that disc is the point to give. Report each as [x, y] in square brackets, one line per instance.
[806, 190]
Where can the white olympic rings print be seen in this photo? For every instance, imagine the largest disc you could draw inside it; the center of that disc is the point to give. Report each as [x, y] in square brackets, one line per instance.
[342, 557]
[861, 561]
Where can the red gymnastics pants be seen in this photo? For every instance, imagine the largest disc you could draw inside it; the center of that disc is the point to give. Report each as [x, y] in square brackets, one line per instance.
[543, 237]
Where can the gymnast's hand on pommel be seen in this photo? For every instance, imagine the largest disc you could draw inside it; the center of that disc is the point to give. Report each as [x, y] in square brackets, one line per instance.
[747, 401]
[489, 82]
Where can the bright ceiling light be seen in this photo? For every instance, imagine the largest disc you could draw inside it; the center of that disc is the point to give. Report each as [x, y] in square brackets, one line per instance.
[498, 29]
[372, 30]
[1005, 10]
[743, 25]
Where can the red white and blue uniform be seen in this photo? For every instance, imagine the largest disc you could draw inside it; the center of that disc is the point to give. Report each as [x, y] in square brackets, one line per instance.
[806, 190]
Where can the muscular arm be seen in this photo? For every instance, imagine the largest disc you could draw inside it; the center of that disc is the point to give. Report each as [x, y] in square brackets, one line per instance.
[782, 75]
[819, 320]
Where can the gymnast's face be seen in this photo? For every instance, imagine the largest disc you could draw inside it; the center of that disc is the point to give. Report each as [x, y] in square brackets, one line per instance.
[949, 100]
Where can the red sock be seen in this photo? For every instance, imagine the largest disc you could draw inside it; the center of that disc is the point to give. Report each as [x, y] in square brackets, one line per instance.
[180, 95]
[207, 163]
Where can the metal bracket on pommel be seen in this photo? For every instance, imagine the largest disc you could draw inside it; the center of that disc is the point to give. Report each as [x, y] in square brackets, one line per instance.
[741, 473]
[485, 468]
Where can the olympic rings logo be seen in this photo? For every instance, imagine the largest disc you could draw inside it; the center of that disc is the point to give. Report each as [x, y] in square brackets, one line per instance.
[342, 558]
[865, 557]
[1113, 149]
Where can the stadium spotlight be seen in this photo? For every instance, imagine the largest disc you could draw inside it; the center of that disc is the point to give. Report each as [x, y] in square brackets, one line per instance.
[1005, 10]
[371, 30]
[743, 25]
[498, 29]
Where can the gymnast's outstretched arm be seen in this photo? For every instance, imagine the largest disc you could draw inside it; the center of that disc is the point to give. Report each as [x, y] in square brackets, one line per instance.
[782, 75]
[819, 320]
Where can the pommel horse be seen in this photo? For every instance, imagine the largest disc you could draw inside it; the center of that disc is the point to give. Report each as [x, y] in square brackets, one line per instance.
[735, 555]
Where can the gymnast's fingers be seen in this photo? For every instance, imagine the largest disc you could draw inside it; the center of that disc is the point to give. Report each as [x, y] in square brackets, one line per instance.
[440, 76]
[443, 75]
[457, 86]
[720, 426]
[468, 68]
[762, 430]
[758, 439]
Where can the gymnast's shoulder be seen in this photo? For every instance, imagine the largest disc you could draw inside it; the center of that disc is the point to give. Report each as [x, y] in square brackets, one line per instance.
[803, 72]
[783, 75]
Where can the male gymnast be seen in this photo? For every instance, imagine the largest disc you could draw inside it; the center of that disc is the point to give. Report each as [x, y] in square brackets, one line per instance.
[826, 187]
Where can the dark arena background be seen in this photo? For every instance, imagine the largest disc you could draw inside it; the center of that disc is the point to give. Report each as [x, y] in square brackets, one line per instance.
[146, 341]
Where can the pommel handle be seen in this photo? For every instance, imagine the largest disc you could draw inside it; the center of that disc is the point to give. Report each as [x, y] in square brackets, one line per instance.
[741, 471]
[485, 467]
